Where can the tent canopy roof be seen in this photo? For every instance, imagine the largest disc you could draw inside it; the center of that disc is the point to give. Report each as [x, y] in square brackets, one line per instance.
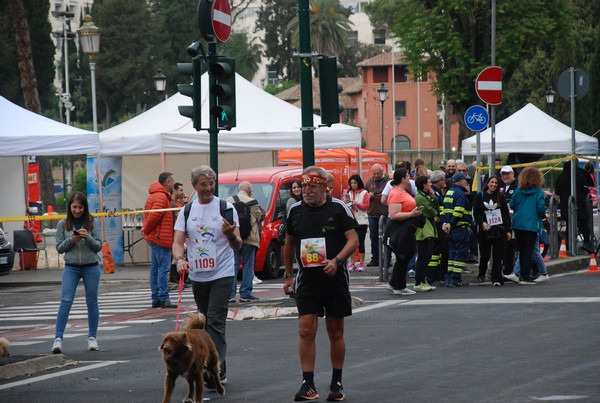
[23, 132]
[265, 123]
[529, 130]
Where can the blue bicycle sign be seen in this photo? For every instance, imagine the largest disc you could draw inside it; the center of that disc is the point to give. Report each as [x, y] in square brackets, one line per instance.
[476, 118]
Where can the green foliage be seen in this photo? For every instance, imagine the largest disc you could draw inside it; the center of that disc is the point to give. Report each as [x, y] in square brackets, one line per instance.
[80, 181]
[273, 19]
[355, 53]
[275, 89]
[247, 54]
[452, 38]
[42, 50]
[329, 27]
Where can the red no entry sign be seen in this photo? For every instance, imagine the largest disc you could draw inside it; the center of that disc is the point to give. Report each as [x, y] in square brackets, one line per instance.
[489, 85]
[221, 19]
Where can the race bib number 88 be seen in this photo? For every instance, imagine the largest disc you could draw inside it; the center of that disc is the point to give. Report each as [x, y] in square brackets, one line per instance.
[313, 252]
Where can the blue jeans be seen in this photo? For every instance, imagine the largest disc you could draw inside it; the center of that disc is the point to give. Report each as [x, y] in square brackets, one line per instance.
[212, 299]
[159, 272]
[70, 280]
[247, 253]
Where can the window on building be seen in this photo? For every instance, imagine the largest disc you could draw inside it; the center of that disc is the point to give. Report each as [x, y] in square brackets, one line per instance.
[352, 37]
[380, 74]
[400, 73]
[400, 109]
[379, 36]
[402, 142]
[272, 77]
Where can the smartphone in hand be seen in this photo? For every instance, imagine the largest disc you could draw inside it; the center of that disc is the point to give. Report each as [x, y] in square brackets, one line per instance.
[229, 215]
[75, 232]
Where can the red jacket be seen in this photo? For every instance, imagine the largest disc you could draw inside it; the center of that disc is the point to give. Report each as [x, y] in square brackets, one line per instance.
[158, 226]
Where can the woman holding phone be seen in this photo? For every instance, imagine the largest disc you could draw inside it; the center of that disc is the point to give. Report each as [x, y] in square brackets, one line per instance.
[79, 237]
[358, 201]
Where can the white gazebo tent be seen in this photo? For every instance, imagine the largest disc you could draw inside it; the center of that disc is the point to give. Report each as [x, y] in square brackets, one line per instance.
[530, 130]
[265, 124]
[25, 133]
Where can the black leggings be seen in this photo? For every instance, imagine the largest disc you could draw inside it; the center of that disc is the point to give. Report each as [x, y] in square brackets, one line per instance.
[362, 234]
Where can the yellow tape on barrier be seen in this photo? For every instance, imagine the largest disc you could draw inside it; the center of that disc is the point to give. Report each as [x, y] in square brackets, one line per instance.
[102, 214]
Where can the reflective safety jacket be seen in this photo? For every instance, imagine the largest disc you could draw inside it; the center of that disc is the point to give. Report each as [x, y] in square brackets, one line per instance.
[457, 208]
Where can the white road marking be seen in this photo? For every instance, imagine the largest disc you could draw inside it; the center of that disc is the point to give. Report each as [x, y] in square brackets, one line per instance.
[60, 373]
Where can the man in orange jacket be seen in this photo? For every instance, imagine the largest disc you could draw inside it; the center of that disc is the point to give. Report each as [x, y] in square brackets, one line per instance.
[158, 232]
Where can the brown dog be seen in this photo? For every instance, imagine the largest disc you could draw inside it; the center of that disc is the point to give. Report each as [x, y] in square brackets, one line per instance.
[187, 353]
[4, 344]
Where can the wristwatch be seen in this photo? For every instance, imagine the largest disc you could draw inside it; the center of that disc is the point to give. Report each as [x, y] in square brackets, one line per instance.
[339, 261]
[287, 275]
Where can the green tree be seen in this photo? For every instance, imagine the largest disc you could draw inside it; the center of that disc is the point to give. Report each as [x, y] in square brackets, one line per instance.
[329, 27]
[273, 19]
[132, 48]
[355, 53]
[452, 38]
[247, 54]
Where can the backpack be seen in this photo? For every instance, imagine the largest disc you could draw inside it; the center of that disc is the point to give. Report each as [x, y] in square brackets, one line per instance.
[188, 207]
[244, 215]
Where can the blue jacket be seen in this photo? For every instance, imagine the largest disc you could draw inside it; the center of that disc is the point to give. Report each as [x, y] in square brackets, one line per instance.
[529, 207]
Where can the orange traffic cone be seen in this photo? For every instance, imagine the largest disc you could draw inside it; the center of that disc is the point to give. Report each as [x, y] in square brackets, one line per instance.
[593, 265]
[563, 249]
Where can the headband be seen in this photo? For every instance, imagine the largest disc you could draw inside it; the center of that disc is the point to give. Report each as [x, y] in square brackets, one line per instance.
[316, 179]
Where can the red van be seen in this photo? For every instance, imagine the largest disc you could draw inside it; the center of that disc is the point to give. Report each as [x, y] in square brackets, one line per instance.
[271, 187]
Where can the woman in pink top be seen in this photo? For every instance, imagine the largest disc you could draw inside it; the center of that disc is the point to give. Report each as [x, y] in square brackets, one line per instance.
[400, 231]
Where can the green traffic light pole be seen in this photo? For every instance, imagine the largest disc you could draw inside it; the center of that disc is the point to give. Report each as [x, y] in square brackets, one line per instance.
[213, 130]
[306, 95]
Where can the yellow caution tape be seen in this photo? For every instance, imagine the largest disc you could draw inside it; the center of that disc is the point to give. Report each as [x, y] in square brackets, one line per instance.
[102, 214]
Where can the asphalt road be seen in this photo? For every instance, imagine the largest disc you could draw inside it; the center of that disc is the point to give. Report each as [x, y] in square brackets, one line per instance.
[472, 344]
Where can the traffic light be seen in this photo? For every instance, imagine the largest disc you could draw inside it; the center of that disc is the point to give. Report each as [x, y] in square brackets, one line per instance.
[329, 89]
[223, 69]
[191, 90]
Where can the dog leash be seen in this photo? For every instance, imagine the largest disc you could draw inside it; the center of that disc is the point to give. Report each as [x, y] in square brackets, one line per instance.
[181, 280]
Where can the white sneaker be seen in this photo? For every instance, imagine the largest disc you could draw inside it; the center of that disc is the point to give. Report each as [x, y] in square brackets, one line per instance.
[256, 280]
[57, 346]
[92, 344]
[405, 291]
[512, 277]
[542, 278]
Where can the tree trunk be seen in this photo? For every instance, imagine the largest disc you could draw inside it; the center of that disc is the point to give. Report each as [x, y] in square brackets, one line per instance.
[30, 91]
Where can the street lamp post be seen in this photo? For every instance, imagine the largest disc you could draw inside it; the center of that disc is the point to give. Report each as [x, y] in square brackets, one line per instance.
[549, 96]
[160, 82]
[89, 37]
[382, 93]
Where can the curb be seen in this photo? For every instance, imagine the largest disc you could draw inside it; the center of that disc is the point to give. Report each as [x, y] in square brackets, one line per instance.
[32, 365]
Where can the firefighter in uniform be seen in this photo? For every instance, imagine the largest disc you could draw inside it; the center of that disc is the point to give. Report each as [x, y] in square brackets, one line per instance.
[457, 223]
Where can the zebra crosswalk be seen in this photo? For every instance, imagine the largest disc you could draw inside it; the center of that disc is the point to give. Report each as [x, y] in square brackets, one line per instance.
[34, 323]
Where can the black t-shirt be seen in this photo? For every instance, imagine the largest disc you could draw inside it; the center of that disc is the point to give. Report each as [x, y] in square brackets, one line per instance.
[508, 190]
[329, 221]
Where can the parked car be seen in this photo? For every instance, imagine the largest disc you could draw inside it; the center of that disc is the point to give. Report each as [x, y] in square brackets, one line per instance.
[271, 187]
[7, 255]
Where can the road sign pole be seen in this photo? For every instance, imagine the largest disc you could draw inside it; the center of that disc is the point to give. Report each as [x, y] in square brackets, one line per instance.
[306, 94]
[573, 217]
[213, 130]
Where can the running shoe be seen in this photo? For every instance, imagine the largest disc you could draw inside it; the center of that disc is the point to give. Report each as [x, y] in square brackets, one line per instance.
[352, 268]
[512, 277]
[361, 267]
[542, 278]
[336, 393]
[306, 392]
[57, 346]
[422, 287]
[92, 344]
[405, 291]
